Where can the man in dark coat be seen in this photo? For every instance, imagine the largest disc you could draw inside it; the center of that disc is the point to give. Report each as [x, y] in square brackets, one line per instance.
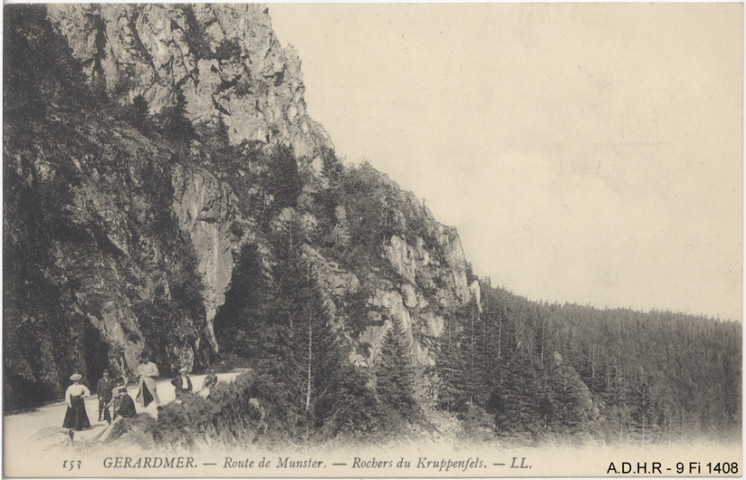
[103, 389]
[182, 384]
[210, 381]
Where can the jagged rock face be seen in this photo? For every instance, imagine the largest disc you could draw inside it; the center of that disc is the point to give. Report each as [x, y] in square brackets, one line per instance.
[225, 58]
[445, 280]
[207, 210]
[228, 63]
[109, 258]
[137, 248]
[415, 264]
[432, 279]
[335, 282]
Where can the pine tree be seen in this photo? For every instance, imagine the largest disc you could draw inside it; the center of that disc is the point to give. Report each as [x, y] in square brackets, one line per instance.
[394, 371]
[308, 355]
[465, 359]
[176, 126]
[447, 366]
[141, 115]
[477, 345]
[285, 183]
[331, 167]
[573, 408]
[38, 69]
[524, 400]
[616, 397]
[354, 408]
[328, 199]
[643, 409]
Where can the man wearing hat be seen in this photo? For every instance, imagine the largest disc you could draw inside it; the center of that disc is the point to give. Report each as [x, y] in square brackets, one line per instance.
[182, 384]
[210, 381]
[147, 373]
[103, 389]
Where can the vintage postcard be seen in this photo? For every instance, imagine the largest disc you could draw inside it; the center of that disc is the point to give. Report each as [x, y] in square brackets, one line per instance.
[372, 240]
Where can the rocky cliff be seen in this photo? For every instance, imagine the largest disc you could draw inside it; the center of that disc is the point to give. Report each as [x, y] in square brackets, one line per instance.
[94, 269]
[166, 192]
[133, 246]
[224, 58]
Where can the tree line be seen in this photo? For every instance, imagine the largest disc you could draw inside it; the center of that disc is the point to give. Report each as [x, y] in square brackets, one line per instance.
[505, 367]
[540, 370]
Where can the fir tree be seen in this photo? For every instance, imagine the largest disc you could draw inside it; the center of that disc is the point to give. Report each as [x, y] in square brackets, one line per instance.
[332, 170]
[394, 371]
[476, 346]
[448, 366]
[285, 183]
[141, 115]
[524, 400]
[464, 360]
[39, 70]
[176, 126]
[354, 410]
[308, 353]
[572, 404]
[222, 139]
[643, 409]
[331, 167]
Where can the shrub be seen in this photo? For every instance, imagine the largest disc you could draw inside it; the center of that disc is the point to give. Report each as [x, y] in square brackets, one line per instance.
[230, 415]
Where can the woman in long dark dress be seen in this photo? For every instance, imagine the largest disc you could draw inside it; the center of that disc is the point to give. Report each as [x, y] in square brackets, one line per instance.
[123, 405]
[76, 418]
[127, 405]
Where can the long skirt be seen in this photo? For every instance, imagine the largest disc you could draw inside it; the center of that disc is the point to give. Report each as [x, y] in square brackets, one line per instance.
[147, 397]
[76, 417]
[126, 407]
[147, 392]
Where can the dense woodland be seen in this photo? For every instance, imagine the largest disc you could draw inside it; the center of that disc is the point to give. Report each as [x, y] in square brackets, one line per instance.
[507, 367]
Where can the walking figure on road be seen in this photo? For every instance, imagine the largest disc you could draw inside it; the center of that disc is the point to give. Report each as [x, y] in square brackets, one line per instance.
[182, 384]
[76, 418]
[210, 381]
[146, 373]
[103, 390]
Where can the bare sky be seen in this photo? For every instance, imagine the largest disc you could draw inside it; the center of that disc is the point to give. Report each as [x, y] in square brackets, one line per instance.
[588, 153]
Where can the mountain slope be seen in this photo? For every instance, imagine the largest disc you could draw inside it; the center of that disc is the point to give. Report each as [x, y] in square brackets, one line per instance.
[225, 59]
[138, 241]
[166, 192]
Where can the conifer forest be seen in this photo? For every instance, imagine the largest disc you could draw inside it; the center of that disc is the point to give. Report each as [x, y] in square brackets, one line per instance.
[144, 214]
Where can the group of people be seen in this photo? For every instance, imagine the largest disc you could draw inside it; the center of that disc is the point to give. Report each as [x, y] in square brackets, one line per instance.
[111, 398]
[115, 402]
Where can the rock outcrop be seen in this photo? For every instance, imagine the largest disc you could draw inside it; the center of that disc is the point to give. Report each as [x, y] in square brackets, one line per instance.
[113, 268]
[134, 244]
[228, 63]
[207, 212]
[225, 58]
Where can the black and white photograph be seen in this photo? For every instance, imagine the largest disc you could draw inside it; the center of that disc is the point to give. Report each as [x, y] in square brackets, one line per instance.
[372, 239]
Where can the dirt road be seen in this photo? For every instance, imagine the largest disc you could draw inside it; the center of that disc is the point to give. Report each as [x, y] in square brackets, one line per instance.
[41, 428]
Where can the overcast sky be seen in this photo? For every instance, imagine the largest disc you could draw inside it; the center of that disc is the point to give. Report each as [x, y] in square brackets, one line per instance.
[586, 153]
